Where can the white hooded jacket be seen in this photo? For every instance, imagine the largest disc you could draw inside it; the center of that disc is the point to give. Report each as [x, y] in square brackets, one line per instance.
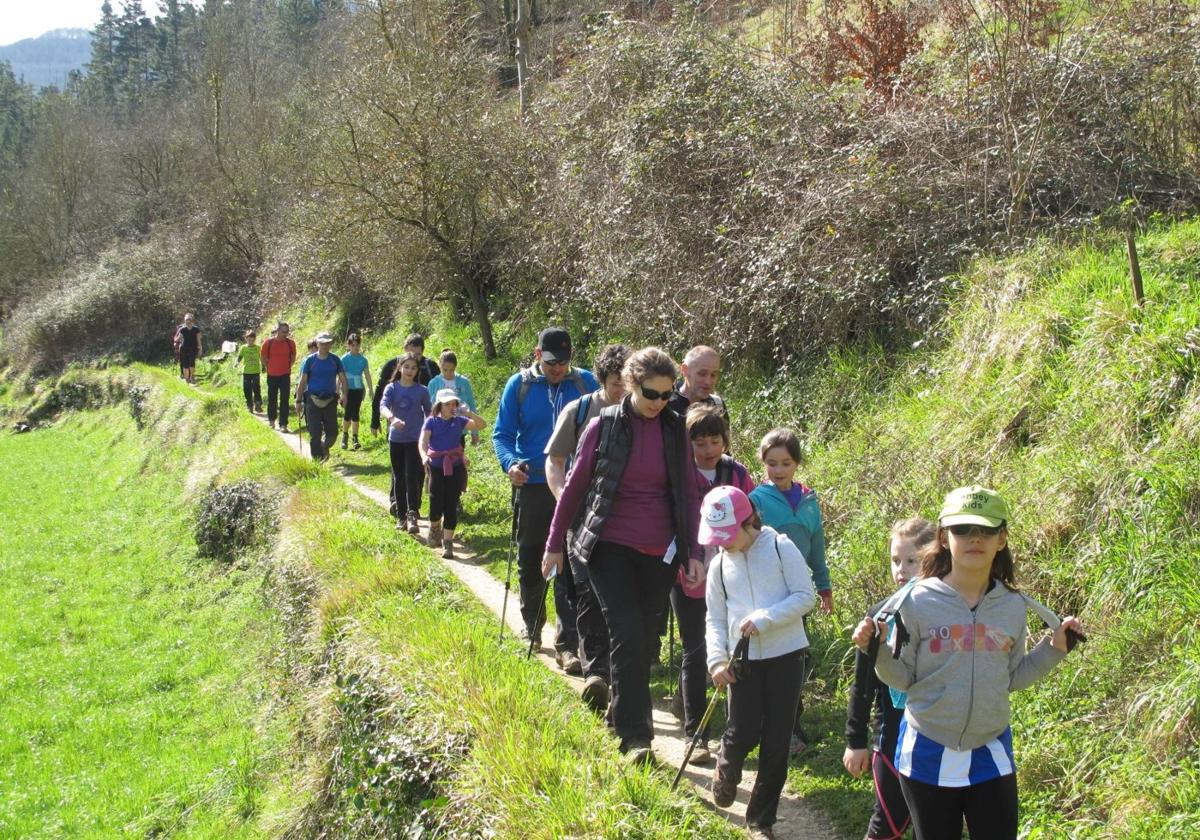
[770, 584]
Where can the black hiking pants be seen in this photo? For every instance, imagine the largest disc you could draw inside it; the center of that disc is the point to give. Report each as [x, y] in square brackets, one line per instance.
[279, 395]
[322, 423]
[252, 391]
[590, 623]
[693, 672]
[537, 510]
[762, 705]
[632, 588]
[990, 809]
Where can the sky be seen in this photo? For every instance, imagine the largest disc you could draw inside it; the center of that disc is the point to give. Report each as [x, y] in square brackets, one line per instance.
[20, 19]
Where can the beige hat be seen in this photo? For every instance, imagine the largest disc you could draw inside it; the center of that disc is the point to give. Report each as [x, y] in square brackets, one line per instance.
[445, 395]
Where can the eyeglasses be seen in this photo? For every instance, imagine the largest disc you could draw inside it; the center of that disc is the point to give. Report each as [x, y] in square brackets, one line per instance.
[556, 363]
[651, 394]
[969, 529]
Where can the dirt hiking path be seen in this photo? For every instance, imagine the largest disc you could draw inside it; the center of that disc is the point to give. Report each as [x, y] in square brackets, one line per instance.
[795, 818]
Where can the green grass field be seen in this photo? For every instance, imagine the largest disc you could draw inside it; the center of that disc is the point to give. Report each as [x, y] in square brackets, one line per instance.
[136, 678]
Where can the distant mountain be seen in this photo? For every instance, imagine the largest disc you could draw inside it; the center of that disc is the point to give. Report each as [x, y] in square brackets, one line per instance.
[47, 59]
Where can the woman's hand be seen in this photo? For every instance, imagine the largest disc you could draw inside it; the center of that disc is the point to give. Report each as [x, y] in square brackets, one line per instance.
[748, 628]
[1059, 639]
[723, 675]
[551, 560]
[856, 762]
[695, 572]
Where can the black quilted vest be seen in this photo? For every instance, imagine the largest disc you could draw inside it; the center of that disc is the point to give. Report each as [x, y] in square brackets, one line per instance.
[612, 456]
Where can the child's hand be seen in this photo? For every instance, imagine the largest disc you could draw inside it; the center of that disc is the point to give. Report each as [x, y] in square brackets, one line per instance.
[856, 762]
[722, 676]
[865, 631]
[748, 628]
[826, 602]
[1059, 639]
[694, 575]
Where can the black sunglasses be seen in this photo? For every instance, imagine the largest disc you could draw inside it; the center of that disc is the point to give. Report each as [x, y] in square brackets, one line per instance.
[556, 363]
[651, 394]
[966, 530]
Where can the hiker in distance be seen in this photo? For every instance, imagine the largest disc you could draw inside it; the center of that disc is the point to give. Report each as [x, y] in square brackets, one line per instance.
[699, 372]
[191, 347]
[631, 499]
[446, 463]
[358, 377]
[321, 387]
[572, 420]
[530, 405]
[251, 362]
[278, 356]
[414, 346]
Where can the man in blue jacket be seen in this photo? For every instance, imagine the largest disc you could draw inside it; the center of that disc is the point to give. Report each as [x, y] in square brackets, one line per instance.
[529, 409]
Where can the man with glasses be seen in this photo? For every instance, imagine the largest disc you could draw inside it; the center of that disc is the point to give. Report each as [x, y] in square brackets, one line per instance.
[529, 407]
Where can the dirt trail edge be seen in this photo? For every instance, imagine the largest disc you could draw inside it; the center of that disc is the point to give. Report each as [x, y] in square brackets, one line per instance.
[796, 819]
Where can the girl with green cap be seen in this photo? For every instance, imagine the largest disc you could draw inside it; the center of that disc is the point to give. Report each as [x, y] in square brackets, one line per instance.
[956, 647]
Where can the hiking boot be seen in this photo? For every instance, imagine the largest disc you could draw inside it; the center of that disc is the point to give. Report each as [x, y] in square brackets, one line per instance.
[412, 523]
[569, 662]
[761, 832]
[799, 742]
[345, 442]
[638, 754]
[595, 693]
[435, 536]
[702, 754]
[356, 445]
[447, 550]
[724, 791]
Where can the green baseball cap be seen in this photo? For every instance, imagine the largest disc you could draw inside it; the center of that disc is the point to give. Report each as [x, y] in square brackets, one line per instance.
[974, 505]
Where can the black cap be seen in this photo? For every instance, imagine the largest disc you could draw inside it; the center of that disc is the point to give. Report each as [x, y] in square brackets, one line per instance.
[555, 344]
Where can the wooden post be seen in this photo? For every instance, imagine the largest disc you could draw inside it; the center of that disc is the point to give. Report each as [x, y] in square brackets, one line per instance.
[1135, 271]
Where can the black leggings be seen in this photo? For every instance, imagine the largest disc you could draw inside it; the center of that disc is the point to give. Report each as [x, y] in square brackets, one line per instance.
[990, 809]
[444, 491]
[408, 477]
[890, 818]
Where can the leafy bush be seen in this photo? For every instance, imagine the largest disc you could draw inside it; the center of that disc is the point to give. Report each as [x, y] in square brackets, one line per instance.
[231, 520]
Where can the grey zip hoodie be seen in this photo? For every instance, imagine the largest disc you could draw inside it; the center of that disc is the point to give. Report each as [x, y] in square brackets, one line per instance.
[959, 664]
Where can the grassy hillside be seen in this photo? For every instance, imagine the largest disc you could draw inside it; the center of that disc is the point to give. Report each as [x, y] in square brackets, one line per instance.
[1047, 382]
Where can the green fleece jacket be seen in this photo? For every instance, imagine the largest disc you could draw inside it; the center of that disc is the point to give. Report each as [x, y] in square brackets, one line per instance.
[802, 526]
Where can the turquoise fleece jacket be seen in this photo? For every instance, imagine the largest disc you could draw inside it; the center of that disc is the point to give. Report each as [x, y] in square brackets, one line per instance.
[802, 526]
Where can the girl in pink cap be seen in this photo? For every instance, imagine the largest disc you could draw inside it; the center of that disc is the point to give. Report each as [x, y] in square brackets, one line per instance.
[759, 587]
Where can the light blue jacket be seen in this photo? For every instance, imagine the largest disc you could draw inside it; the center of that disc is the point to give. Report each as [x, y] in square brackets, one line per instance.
[802, 526]
[461, 386]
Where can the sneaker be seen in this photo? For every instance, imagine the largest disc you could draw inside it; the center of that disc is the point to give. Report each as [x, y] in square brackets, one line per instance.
[639, 754]
[412, 523]
[798, 743]
[724, 791]
[569, 663]
[447, 550]
[356, 445]
[761, 832]
[595, 693]
[701, 755]
[345, 442]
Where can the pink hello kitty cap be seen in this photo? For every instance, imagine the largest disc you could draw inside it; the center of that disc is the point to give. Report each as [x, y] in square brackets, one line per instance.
[722, 513]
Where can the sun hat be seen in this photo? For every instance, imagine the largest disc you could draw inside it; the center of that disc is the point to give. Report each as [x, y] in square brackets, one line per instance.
[323, 338]
[973, 505]
[445, 395]
[722, 513]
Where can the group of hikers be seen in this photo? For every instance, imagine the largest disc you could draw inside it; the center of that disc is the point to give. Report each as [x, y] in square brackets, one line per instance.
[627, 502]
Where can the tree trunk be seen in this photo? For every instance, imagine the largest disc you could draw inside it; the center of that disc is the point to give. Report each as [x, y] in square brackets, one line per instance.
[479, 307]
[524, 31]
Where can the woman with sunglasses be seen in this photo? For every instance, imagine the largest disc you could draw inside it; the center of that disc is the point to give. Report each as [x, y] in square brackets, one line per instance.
[961, 650]
[632, 508]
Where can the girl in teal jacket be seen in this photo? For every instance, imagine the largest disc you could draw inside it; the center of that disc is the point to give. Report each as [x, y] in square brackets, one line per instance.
[791, 508]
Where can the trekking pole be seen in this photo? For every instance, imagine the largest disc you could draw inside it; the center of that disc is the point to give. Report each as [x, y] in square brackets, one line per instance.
[512, 546]
[536, 638]
[671, 649]
[740, 652]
